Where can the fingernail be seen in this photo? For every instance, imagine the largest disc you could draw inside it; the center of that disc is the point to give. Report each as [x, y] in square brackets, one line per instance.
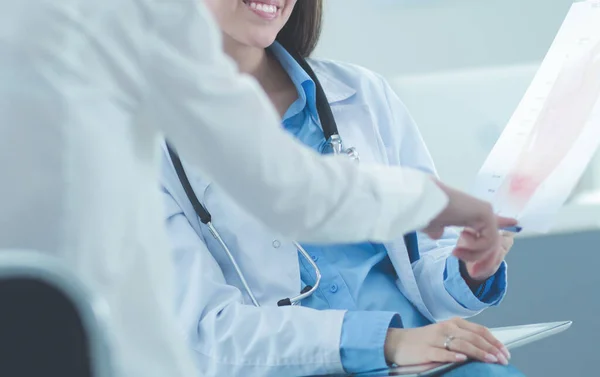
[461, 357]
[491, 358]
[502, 359]
[506, 352]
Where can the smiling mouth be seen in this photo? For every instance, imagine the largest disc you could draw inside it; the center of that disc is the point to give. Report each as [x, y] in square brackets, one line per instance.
[262, 9]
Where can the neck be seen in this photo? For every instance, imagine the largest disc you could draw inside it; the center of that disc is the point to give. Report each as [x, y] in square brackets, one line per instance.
[251, 60]
[256, 62]
[266, 70]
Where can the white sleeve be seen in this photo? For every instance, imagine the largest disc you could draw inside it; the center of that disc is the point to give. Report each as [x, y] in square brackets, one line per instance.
[223, 123]
[230, 338]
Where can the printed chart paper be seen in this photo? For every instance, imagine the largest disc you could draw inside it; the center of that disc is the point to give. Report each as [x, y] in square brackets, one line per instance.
[555, 131]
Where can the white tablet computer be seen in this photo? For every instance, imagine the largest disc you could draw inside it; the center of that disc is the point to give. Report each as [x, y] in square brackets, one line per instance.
[512, 337]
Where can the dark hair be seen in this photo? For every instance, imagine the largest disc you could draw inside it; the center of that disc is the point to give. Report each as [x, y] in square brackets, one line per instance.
[301, 33]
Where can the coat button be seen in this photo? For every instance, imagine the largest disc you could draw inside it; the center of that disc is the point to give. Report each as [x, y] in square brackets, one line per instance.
[276, 244]
[333, 288]
[315, 258]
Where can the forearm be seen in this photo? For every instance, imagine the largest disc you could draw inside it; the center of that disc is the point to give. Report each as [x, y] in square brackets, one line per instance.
[444, 291]
[268, 341]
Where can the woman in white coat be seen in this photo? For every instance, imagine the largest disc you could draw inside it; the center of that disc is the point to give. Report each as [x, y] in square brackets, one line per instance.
[376, 302]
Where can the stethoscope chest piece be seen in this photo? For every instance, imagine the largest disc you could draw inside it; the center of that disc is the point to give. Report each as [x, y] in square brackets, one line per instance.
[334, 145]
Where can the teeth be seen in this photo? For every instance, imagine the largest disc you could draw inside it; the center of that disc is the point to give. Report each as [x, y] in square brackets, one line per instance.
[263, 7]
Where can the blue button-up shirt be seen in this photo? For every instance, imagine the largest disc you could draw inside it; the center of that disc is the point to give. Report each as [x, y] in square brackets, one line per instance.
[360, 278]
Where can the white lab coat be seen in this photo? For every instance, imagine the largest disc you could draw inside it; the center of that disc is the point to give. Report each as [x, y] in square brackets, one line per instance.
[228, 334]
[86, 90]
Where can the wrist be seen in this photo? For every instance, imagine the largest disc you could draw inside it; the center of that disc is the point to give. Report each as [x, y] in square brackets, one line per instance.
[472, 282]
[362, 341]
[390, 347]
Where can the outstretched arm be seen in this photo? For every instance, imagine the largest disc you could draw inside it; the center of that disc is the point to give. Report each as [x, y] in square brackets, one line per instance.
[222, 123]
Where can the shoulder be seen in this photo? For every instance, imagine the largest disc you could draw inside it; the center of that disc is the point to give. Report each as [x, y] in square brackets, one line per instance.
[354, 76]
[388, 115]
[343, 69]
[369, 88]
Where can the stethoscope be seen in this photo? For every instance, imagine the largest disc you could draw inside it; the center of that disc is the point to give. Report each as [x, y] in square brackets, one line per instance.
[333, 145]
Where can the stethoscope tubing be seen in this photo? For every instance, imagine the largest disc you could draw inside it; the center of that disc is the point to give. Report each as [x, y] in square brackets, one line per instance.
[236, 266]
[331, 136]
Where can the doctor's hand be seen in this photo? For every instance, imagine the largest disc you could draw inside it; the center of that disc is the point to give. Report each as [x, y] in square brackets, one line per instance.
[480, 269]
[481, 224]
[450, 341]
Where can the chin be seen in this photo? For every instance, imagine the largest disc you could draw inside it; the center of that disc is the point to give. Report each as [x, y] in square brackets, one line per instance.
[265, 42]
